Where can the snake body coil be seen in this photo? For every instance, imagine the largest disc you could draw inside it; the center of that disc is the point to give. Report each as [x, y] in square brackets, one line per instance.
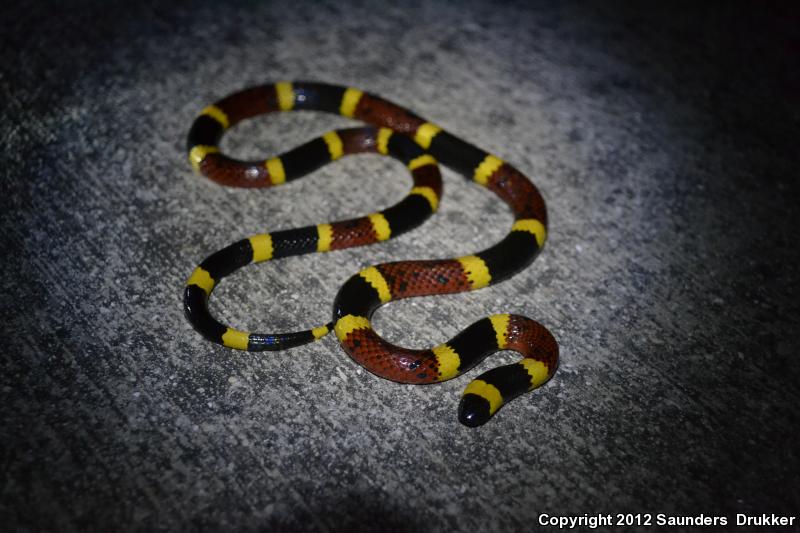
[419, 144]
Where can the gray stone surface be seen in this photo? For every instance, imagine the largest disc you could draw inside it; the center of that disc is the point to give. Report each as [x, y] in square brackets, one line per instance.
[664, 140]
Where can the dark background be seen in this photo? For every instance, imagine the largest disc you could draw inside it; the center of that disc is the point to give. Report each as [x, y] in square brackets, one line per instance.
[664, 138]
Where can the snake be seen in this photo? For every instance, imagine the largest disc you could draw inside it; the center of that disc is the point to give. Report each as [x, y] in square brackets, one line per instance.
[394, 131]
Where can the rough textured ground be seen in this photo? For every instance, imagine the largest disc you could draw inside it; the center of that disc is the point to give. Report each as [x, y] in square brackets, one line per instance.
[664, 140]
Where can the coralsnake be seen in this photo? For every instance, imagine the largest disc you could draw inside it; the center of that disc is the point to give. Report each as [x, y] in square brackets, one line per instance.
[419, 144]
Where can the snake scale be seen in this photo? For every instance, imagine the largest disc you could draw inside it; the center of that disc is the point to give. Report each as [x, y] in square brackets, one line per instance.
[419, 145]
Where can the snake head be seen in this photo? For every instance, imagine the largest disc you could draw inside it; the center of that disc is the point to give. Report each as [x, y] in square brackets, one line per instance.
[473, 411]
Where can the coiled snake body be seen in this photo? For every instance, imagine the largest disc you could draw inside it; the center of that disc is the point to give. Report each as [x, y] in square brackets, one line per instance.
[419, 144]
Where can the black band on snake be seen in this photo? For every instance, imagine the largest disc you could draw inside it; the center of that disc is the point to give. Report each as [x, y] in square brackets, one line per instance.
[419, 144]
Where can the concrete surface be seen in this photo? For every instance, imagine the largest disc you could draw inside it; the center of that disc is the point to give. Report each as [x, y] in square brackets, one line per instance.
[663, 138]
